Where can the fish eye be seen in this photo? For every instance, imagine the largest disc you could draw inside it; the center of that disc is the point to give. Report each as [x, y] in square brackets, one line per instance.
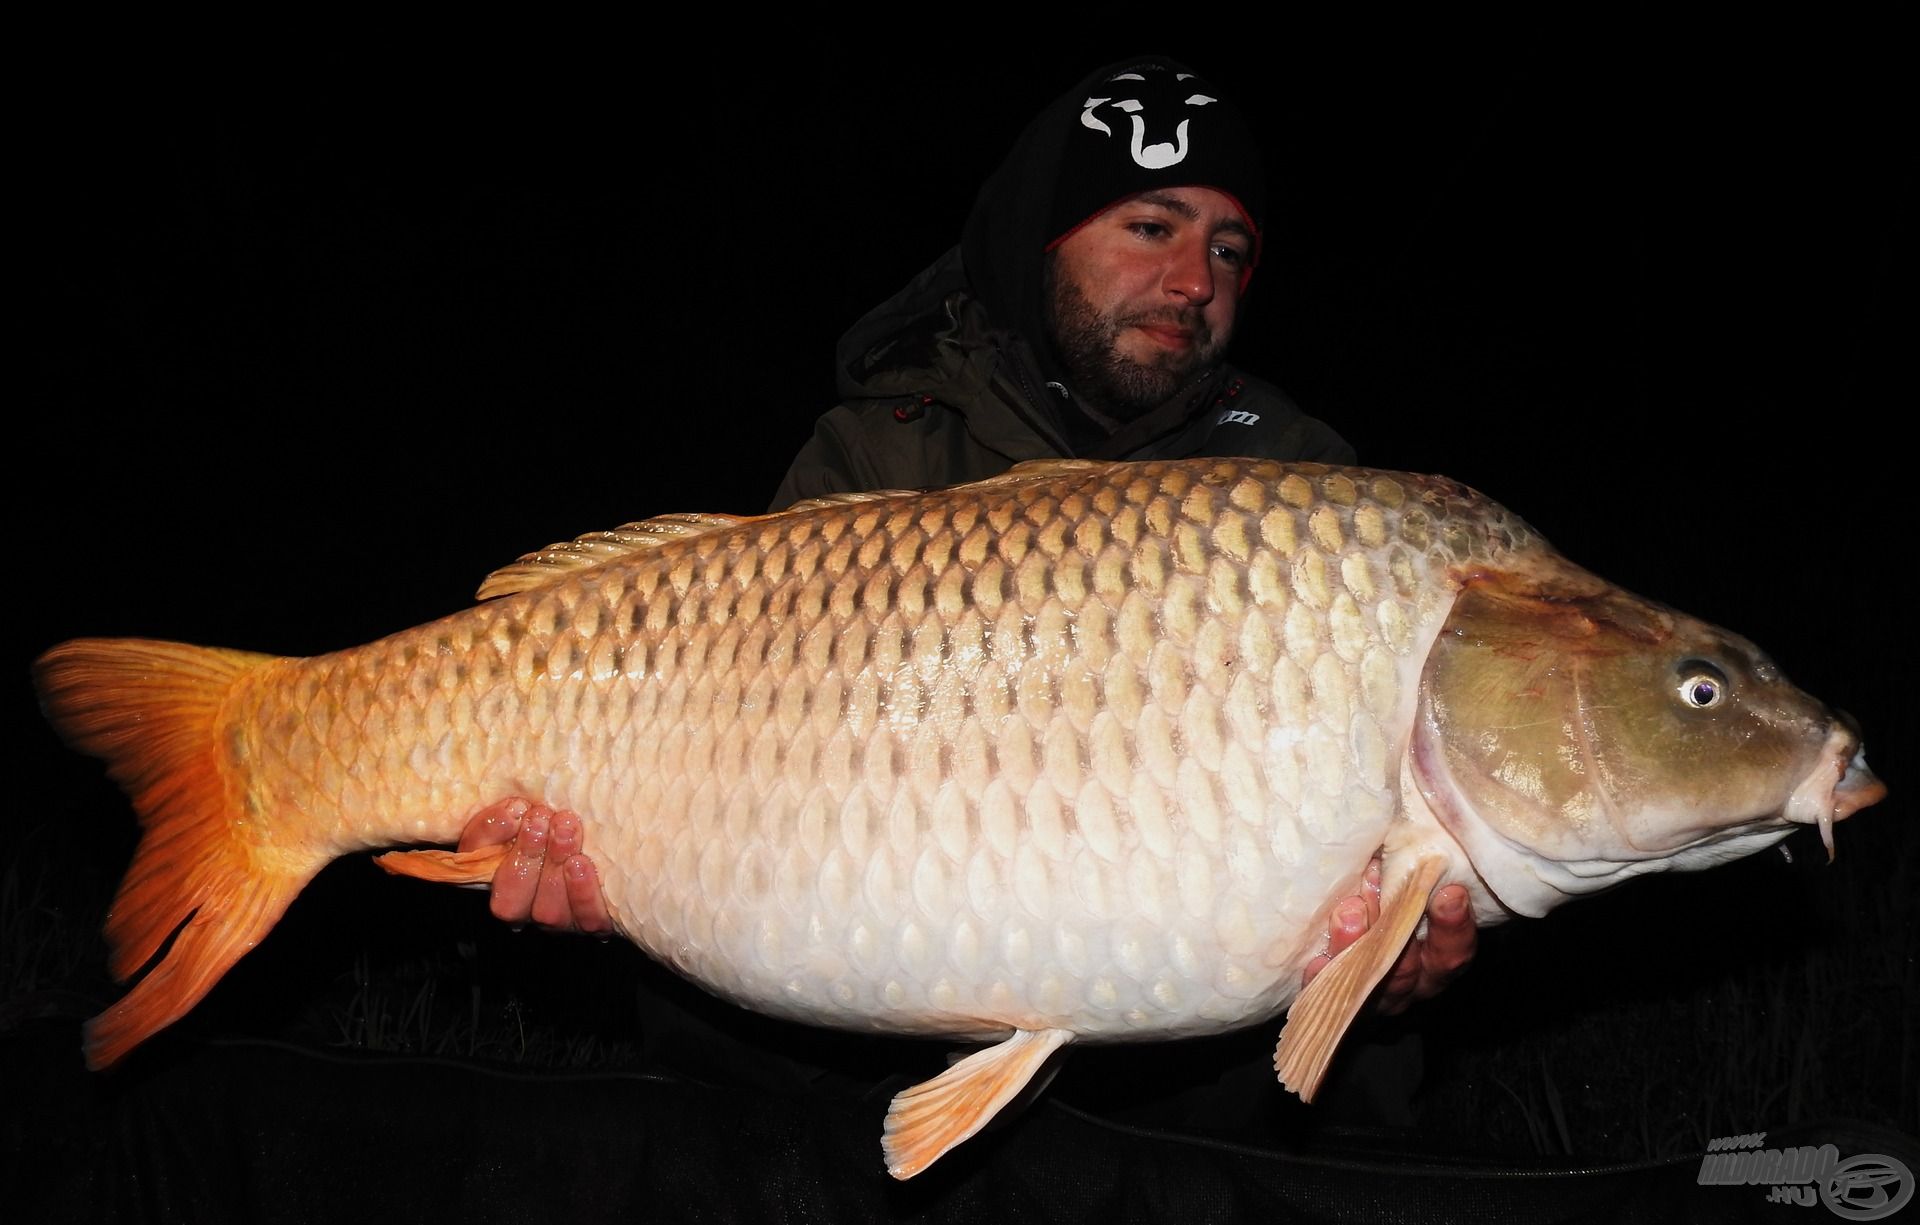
[1701, 685]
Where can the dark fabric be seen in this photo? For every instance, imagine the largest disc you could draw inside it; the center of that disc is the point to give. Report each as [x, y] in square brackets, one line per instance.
[261, 1134]
[936, 396]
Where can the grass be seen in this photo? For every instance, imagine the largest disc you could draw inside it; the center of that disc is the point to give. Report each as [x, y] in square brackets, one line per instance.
[439, 1005]
[49, 938]
[1791, 998]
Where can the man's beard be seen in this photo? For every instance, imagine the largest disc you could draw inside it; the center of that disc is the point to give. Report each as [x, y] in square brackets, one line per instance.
[1088, 344]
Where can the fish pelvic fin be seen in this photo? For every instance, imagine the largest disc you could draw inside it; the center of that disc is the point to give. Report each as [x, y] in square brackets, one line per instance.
[475, 867]
[1324, 1011]
[155, 712]
[928, 1120]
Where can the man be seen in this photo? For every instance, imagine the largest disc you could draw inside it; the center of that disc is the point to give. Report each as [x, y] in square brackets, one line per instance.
[1086, 313]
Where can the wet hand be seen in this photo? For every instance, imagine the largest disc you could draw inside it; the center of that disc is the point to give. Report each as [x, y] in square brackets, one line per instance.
[1428, 963]
[546, 878]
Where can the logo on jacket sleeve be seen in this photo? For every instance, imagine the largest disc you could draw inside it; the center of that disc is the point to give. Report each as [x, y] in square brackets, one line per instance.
[1236, 416]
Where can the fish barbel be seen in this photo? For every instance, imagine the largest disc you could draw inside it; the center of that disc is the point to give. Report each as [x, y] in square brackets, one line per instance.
[1081, 753]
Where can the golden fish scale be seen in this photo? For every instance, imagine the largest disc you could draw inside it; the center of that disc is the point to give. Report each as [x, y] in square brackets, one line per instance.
[1093, 751]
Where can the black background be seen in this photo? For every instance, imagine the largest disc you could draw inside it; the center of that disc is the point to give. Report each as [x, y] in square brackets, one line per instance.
[321, 345]
[313, 346]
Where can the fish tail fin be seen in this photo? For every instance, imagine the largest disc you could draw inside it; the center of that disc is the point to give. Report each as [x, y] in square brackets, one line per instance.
[154, 712]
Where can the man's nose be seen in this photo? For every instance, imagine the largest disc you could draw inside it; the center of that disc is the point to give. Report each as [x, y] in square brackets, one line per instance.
[1190, 272]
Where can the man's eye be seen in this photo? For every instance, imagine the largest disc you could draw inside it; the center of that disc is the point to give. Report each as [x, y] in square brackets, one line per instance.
[1149, 229]
[1229, 254]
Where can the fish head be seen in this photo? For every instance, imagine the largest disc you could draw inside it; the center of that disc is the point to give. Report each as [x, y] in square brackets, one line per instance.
[1571, 735]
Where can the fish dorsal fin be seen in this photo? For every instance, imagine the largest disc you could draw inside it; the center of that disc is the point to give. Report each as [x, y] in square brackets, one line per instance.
[1021, 473]
[849, 499]
[1041, 469]
[539, 568]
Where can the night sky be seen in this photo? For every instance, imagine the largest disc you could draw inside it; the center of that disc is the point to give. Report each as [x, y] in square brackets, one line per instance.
[317, 348]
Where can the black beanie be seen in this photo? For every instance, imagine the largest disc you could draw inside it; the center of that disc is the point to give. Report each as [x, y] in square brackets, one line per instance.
[1062, 168]
[1154, 124]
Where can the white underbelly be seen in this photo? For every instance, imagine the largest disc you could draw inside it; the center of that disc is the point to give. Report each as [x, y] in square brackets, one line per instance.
[916, 940]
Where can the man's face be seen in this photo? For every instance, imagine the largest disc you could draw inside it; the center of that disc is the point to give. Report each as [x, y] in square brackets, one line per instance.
[1143, 296]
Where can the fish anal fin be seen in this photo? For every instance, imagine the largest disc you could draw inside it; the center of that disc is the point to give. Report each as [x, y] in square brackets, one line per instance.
[475, 867]
[928, 1120]
[1324, 1011]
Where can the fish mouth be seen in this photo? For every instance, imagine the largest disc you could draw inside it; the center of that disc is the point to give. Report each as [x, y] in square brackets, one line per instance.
[1839, 785]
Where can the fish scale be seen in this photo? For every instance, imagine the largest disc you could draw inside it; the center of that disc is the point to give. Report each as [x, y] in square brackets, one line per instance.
[1086, 752]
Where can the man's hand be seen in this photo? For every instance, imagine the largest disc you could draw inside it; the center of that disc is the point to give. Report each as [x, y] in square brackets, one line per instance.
[1428, 963]
[546, 878]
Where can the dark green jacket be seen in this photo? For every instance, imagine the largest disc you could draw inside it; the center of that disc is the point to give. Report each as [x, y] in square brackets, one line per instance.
[934, 395]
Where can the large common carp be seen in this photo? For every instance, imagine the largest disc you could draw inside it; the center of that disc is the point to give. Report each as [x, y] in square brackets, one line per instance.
[1085, 752]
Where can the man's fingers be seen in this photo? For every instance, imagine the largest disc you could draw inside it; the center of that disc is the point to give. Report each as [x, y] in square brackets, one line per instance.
[547, 878]
[495, 824]
[1451, 934]
[1426, 965]
[517, 881]
[584, 899]
[1348, 922]
[551, 906]
[575, 881]
[1437, 958]
[1401, 986]
[1371, 890]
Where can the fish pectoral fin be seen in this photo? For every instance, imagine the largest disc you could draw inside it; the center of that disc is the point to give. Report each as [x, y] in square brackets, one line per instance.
[1320, 1017]
[924, 1122]
[475, 867]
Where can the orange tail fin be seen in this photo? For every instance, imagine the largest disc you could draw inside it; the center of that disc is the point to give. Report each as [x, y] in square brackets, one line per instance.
[152, 710]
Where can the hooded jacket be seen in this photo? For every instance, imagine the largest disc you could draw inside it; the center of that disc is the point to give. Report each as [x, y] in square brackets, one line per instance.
[953, 378]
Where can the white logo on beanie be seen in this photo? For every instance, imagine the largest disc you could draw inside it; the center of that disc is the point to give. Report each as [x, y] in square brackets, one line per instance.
[1156, 156]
